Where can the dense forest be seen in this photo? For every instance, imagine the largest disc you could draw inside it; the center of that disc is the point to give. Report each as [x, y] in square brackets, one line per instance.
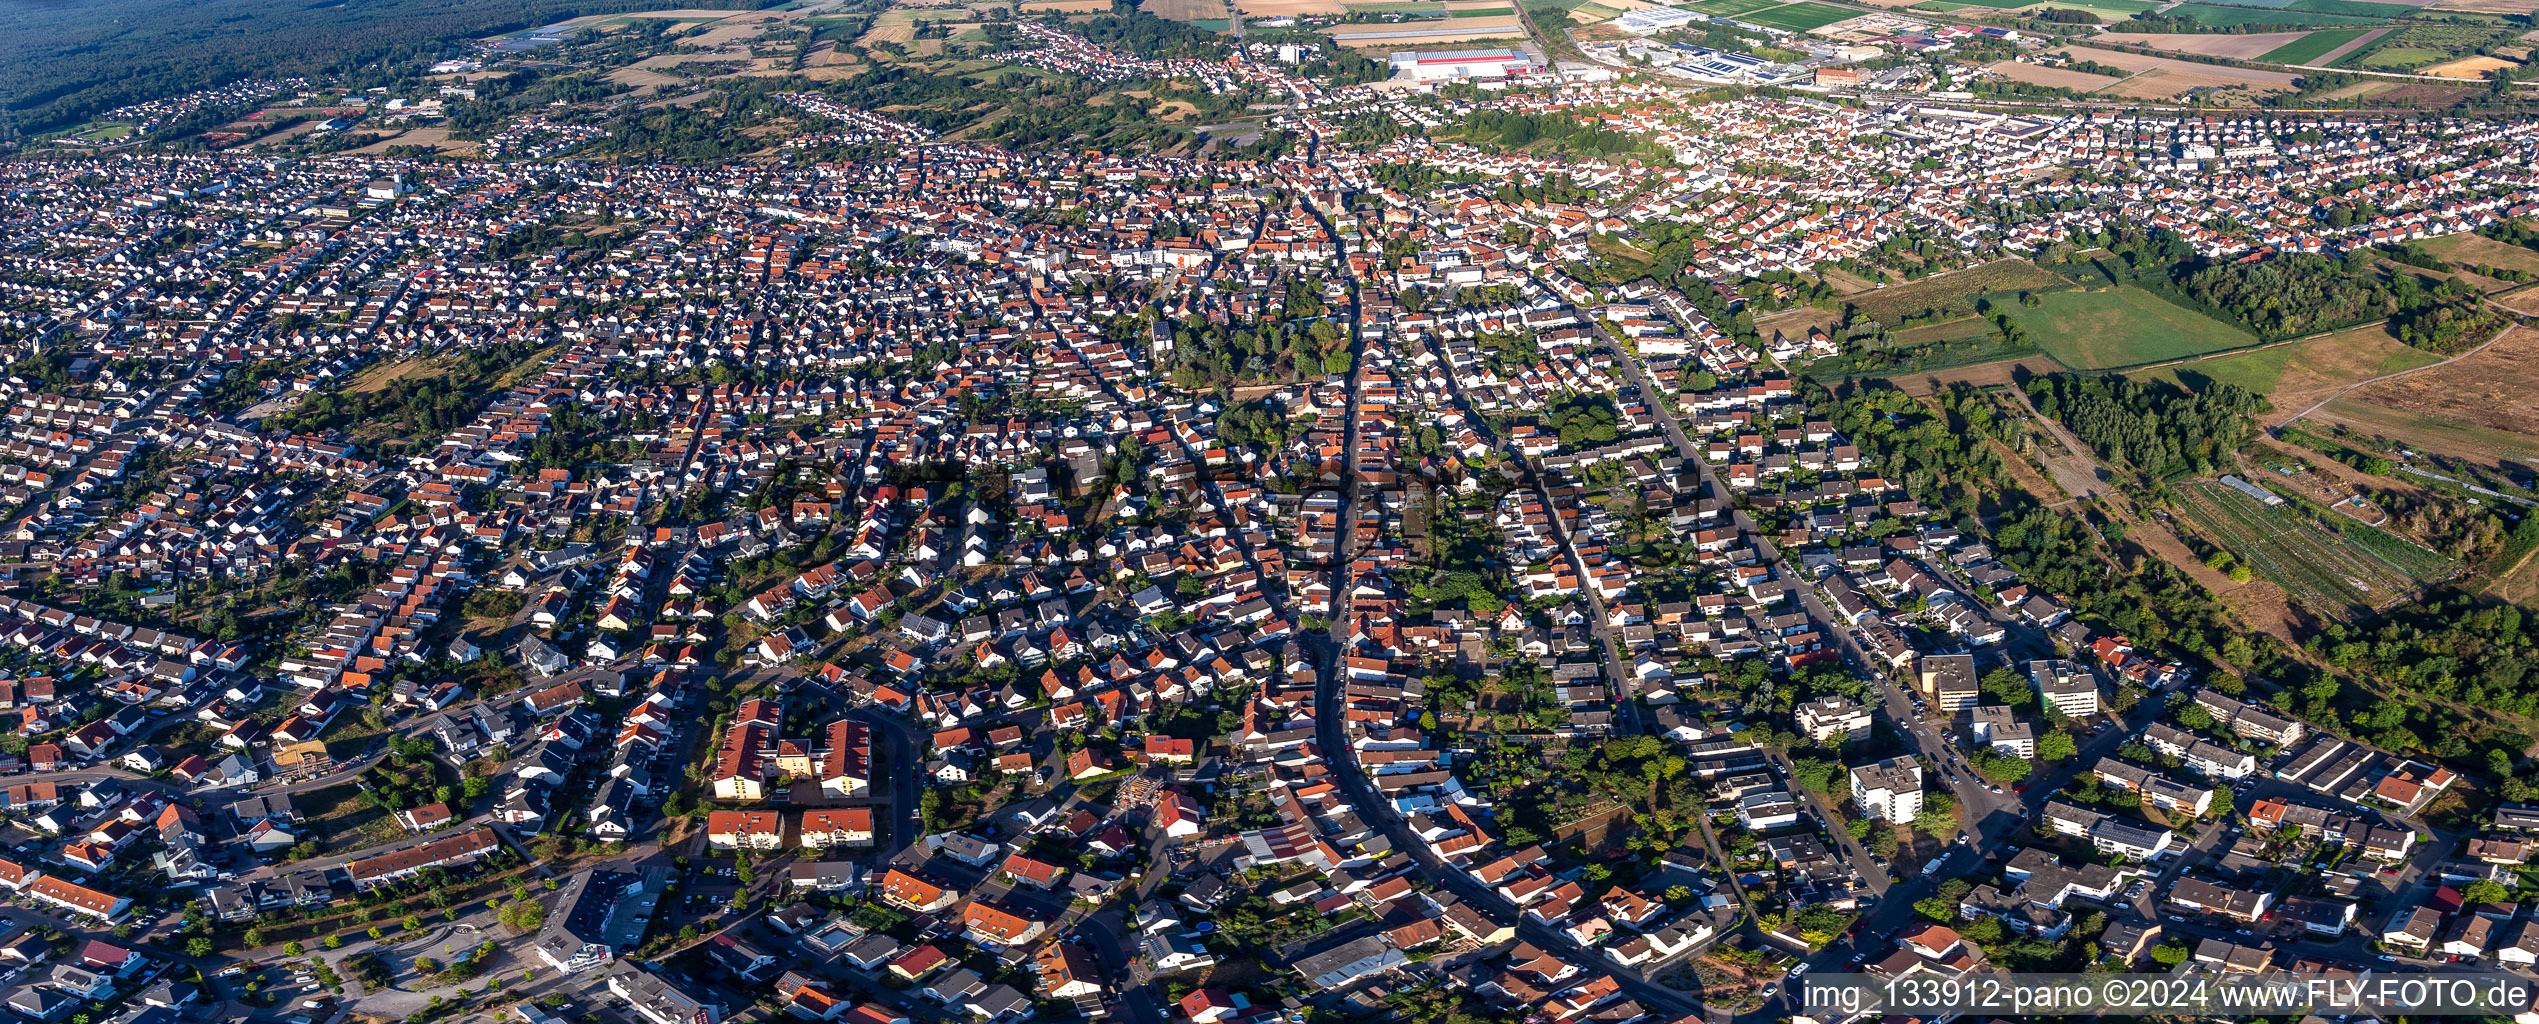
[2292, 294]
[61, 64]
[2157, 428]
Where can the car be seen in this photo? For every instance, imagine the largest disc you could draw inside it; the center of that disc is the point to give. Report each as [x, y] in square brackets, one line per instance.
[1798, 970]
[1771, 988]
[2387, 959]
[2175, 919]
[1993, 788]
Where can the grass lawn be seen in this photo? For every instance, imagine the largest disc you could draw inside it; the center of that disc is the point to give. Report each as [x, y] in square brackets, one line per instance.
[2334, 360]
[2311, 47]
[1800, 17]
[340, 819]
[2471, 249]
[2109, 328]
[2211, 16]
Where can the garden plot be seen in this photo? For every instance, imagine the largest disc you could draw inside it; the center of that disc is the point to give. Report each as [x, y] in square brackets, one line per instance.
[2334, 567]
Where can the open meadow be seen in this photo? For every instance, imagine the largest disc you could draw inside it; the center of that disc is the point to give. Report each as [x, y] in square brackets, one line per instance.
[1951, 291]
[2105, 328]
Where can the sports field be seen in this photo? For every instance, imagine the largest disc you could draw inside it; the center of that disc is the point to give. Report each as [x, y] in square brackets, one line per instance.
[2126, 326]
[2309, 48]
[1799, 17]
[2336, 567]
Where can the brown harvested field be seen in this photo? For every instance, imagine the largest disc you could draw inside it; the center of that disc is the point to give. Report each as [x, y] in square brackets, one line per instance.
[2470, 69]
[741, 28]
[2488, 6]
[2166, 76]
[1184, 10]
[437, 138]
[1490, 34]
[640, 77]
[682, 14]
[903, 33]
[1287, 8]
[2205, 44]
[2474, 407]
[830, 55]
[2006, 372]
[2059, 78]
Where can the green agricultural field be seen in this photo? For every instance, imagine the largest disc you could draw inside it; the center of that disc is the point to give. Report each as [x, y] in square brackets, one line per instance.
[2334, 566]
[1799, 17]
[1731, 8]
[2006, 5]
[1938, 7]
[2308, 49]
[2126, 326]
[2357, 8]
[2210, 16]
[105, 133]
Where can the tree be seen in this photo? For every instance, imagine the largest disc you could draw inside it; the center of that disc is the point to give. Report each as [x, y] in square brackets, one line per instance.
[1936, 909]
[2008, 687]
[292, 948]
[2056, 747]
[333, 942]
[523, 915]
[2168, 956]
[1935, 821]
[198, 946]
[412, 923]
[2484, 891]
[2193, 716]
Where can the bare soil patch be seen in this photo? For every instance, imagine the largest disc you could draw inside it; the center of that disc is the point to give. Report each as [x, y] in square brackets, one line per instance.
[2059, 78]
[437, 138]
[2007, 372]
[2470, 69]
[2165, 76]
